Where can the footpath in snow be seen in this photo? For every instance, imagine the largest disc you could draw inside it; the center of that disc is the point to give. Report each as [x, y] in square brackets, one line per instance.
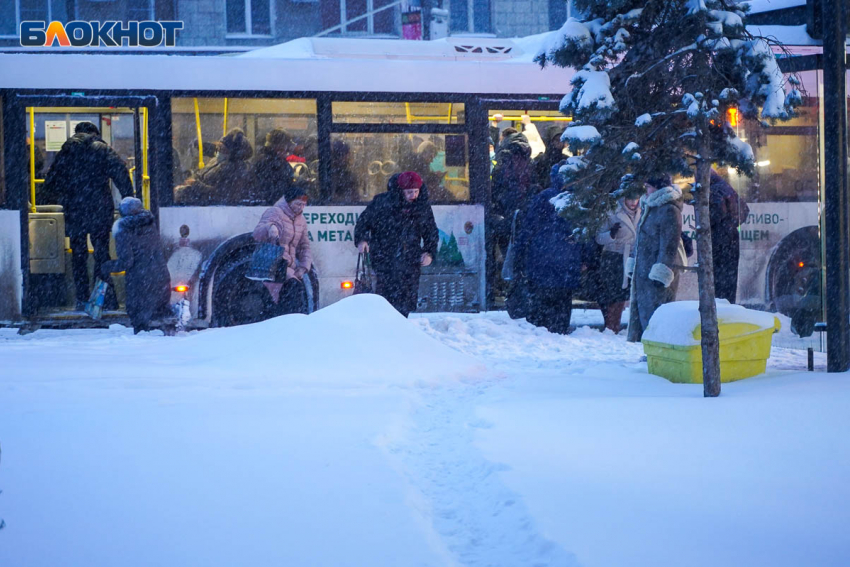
[356, 437]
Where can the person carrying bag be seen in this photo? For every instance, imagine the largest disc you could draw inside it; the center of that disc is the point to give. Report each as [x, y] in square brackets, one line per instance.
[363, 275]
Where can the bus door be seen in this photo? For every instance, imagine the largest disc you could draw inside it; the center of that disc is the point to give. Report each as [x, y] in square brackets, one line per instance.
[542, 124]
[50, 122]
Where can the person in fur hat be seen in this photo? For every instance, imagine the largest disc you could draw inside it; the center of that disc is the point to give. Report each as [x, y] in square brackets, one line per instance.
[659, 253]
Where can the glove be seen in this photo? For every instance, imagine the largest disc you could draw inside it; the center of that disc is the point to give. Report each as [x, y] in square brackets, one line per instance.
[615, 228]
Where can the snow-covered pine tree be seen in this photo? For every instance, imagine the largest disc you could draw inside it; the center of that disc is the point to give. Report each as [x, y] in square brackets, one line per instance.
[654, 81]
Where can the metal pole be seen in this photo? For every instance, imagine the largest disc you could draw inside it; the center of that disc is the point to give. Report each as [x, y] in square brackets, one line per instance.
[837, 233]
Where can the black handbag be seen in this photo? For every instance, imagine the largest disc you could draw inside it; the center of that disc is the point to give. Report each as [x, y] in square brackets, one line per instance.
[267, 264]
[363, 276]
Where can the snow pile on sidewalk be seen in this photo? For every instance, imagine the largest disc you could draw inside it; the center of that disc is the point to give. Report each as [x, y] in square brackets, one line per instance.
[359, 341]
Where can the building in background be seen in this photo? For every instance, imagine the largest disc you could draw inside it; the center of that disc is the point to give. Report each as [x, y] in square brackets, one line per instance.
[238, 25]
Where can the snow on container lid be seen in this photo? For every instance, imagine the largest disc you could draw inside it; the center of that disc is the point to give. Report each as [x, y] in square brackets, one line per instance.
[677, 323]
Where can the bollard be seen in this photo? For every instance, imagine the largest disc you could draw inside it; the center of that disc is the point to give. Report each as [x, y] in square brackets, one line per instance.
[811, 353]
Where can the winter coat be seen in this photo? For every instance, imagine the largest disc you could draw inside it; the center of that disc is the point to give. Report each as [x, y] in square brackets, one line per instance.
[547, 250]
[398, 232]
[623, 243]
[659, 256]
[512, 177]
[293, 237]
[272, 176]
[142, 257]
[228, 181]
[727, 211]
[79, 178]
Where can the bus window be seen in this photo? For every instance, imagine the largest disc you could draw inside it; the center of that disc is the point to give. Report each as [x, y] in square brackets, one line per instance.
[540, 126]
[363, 163]
[398, 112]
[786, 156]
[217, 143]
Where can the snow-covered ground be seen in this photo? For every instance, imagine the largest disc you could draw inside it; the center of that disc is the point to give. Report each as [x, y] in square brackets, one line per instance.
[356, 437]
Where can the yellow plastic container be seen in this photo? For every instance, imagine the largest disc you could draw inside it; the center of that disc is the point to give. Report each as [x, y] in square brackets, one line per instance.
[744, 350]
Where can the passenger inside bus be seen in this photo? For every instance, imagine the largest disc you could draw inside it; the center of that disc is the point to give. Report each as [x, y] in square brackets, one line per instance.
[344, 187]
[272, 172]
[228, 181]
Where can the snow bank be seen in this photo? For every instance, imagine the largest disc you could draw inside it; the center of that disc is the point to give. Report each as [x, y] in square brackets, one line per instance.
[359, 341]
[675, 323]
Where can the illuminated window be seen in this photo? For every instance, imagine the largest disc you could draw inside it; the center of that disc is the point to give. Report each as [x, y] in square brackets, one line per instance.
[202, 177]
[398, 112]
[362, 163]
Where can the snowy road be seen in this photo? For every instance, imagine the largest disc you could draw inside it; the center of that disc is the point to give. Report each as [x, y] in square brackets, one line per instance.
[489, 443]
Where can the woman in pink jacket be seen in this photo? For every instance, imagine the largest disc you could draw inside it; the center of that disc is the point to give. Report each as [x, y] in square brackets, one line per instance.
[283, 224]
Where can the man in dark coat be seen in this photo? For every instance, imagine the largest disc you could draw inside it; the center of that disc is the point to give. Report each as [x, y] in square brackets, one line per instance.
[273, 176]
[399, 232]
[79, 177]
[142, 258]
[727, 212]
[512, 176]
[550, 258]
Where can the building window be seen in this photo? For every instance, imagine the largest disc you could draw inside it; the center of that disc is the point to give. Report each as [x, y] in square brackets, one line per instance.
[369, 18]
[472, 16]
[140, 10]
[21, 11]
[249, 17]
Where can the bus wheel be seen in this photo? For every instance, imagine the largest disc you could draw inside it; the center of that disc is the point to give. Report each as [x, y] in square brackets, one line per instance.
[795, 273]
[238, 300]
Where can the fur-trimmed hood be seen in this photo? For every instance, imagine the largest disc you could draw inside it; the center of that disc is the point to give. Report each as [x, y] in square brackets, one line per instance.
[670, 194]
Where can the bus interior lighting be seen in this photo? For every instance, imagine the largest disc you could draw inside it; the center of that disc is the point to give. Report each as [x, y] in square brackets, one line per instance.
[346, 285]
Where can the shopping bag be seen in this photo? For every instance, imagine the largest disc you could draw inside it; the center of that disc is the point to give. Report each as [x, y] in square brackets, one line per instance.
[94, 306]
[267, 264]
[363, 276]
[509, 265]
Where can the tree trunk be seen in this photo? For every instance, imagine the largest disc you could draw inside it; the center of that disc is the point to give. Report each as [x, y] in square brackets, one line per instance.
[707, 308]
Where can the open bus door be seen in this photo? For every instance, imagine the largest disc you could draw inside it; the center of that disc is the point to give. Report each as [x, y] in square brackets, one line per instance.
[123, 124]
[539, 120]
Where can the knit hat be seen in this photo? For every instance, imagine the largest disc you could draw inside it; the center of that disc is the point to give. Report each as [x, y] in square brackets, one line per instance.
[295, 191]
[130, 206]
[409, 180]
[278, 139]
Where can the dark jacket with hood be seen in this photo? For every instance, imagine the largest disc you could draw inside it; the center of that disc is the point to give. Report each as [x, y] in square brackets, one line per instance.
[727, 211]
[512, 176]
[554, 154]
[398, 232]
[547, 250]
[142, 258]
[79, 178]
[273, 176]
